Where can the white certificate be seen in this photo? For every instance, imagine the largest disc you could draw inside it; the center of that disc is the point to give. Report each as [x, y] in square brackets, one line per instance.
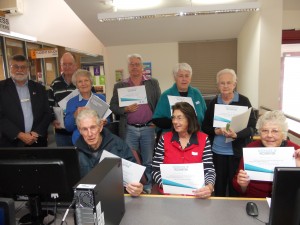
[182, 178]
[100, 106]
[132, 172]
[59, 115]
[131, 95]
[174, 99]
[224, 113]
[63, 103]
[239, 122]
[259, 163]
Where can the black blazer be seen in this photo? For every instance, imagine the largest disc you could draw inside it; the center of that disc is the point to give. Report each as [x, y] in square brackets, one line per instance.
[11, 114]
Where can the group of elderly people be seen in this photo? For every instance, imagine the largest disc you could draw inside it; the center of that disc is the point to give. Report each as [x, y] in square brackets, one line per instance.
[187, 134]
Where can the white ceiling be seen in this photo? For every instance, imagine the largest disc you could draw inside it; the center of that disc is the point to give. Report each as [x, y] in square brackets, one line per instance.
[171, 29]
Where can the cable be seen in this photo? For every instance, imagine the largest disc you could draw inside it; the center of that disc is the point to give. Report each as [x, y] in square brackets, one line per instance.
[260, 220]
[67, 211]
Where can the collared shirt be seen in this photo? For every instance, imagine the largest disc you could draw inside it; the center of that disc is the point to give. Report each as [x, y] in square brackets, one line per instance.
[143, 114]
[24, 96]
[220, 146]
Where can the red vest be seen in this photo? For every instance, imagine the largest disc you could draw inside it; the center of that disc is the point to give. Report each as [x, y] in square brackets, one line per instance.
[175, 155]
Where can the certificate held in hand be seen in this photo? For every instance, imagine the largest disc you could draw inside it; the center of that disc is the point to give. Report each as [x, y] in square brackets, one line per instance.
[132, 95]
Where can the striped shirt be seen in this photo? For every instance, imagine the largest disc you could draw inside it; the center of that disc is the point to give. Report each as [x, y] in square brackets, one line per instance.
[208, 166]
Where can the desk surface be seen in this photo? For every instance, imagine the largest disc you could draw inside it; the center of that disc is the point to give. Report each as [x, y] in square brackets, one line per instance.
[170, 210]
[179, 210]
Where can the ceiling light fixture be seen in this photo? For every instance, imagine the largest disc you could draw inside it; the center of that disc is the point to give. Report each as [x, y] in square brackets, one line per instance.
[179, 11]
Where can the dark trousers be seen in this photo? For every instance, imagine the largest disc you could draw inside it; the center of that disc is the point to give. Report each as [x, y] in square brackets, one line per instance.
[226, 167]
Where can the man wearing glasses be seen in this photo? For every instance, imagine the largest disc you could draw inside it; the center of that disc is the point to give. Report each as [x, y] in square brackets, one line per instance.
[61, 87]
[135, 120]
[24, 111]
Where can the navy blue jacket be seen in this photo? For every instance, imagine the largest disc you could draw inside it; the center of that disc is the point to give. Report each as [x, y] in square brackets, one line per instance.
[89, 158]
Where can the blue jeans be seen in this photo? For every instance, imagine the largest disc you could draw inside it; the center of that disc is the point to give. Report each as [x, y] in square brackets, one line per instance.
[63, 140]
[142, 140]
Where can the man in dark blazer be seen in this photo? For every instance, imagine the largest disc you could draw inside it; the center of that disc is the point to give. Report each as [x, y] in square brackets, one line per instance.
[24, 110]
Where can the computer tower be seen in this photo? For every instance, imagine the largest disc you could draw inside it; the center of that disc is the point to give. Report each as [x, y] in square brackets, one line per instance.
[100, 195]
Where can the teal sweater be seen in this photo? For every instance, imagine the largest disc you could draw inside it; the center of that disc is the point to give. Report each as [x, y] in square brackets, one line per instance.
[163, 108]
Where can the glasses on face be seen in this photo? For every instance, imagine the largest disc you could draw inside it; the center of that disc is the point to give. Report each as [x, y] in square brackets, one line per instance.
[177, 118]
[273, 132]
[92, 129]
[135, 64]
[228, 83]
[67, 65]
[17, 67]
[181, 76]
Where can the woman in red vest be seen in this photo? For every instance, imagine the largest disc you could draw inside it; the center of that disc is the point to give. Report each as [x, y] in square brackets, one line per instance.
[185, 144]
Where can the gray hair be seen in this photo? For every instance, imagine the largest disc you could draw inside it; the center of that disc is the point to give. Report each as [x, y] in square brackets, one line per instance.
[87, 113]
[225, 71]
[81, 72]
[276, 117]
[182, 66]
[137, 56]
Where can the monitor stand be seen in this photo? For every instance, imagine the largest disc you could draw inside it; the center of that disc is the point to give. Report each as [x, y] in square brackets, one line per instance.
[36, 215]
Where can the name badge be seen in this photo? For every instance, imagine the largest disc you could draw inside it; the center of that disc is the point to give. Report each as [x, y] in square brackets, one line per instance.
[195, 153]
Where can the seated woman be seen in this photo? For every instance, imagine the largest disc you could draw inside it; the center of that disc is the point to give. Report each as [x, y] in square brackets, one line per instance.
[185, 144]
[272, 127]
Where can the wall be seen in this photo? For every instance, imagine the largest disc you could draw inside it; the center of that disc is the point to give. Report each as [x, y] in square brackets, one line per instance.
[163, 57]
[291, 19]
[248, 59]
[55, 23]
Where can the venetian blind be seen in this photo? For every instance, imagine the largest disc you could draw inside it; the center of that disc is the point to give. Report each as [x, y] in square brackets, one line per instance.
[206, 59]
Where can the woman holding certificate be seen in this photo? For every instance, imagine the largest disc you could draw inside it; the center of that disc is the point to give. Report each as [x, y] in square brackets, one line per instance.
[272, 127]
[227, 154]
[185, 144]
[83, 81]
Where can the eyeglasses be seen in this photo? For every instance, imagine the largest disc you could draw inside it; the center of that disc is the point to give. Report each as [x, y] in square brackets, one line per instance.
[135, 64]
[67, 65]
[267, 132]
[17, 67]
[178, 118]
[92, 129]
[228, 83]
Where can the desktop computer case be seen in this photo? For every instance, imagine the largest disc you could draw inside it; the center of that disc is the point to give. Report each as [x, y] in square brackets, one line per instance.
[99, 195]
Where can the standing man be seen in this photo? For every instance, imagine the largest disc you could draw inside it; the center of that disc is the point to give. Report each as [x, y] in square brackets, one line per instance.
[61, 87]
[24, 110]
[135, 119]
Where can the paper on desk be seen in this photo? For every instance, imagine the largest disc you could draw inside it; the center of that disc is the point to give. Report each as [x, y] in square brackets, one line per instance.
[100, 106]
[63, 103]
[239, 122]
[224, 113]
[259, 163]
[174, 99]
[132, 172]
[182, 178]
[59, 115]
[131, 95]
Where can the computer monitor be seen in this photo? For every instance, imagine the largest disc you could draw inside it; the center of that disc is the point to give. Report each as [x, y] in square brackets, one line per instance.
[285, 203]
[40, 174]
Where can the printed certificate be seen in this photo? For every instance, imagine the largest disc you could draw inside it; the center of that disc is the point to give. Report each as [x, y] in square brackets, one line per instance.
[132, 172]
[259, 163]
[100, 106]
[224, 113]
[174, 99]
[131, 95]
[182, 178]
[64, 101]
[59, 115]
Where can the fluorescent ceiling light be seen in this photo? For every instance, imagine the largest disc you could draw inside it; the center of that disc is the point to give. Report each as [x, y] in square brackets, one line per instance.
[135, 4]
[19, 36]
[178, 11]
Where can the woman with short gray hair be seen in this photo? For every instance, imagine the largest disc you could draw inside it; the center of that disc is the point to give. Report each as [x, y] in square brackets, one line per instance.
[272, 128]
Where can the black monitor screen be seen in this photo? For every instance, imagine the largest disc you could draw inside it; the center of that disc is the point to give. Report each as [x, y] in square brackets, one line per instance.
[45, 172]
[285, 203]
